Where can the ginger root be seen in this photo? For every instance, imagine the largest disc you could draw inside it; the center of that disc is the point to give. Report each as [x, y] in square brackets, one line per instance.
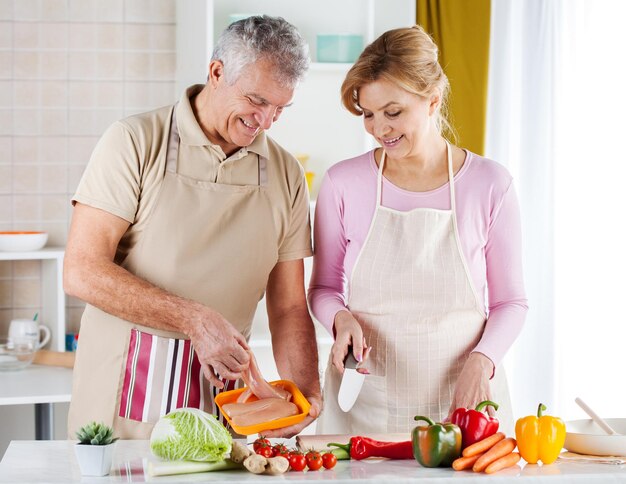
[239, 452]
[255, 463]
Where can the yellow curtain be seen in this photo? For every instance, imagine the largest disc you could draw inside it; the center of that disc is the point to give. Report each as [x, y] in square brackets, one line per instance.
[461, 30]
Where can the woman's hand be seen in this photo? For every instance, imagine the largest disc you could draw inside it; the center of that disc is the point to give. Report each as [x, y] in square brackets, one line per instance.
[348, 333]
[472, 386]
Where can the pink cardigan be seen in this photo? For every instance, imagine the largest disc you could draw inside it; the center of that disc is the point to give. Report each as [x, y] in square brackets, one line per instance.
[489, 229]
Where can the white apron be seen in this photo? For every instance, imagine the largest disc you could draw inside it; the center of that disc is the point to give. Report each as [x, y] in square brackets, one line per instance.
[412, 293]
[197, 245]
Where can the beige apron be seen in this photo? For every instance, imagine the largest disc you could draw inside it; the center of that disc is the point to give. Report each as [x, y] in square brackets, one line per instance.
[413, 295]
[197, 245]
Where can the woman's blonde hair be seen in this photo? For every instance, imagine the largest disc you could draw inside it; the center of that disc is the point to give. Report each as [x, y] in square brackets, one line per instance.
[407, 57]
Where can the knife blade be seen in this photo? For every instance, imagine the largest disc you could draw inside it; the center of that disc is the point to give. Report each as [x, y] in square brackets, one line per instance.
[351, 383]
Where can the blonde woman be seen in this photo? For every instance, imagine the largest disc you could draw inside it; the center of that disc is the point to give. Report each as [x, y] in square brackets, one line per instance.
[411, 239]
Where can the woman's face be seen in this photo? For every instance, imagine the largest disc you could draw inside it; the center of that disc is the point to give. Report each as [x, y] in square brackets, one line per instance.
[400, 121]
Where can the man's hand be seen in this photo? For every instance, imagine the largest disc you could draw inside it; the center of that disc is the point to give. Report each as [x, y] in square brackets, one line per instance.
[472, 386]
[288, 432]
[348, 333]
[221, 349]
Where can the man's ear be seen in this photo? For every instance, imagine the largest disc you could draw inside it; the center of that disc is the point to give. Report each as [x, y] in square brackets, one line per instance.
[435, 102]
[216, 73]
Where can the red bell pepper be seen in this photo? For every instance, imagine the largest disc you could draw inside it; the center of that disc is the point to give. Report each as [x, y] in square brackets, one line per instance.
[474, 424]
[363, 447]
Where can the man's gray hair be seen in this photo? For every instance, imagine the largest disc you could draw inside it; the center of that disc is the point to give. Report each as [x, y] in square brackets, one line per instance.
[263, 37]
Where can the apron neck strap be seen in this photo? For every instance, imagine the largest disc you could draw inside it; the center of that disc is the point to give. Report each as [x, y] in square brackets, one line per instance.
[451, 177]
[379, 183]
[171, 156]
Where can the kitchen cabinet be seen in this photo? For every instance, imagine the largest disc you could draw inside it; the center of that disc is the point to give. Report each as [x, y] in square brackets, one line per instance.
[52, 312]
[54, 461]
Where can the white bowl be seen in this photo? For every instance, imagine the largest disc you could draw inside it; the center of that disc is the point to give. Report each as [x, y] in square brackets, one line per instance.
[585, 437]
[22, 241]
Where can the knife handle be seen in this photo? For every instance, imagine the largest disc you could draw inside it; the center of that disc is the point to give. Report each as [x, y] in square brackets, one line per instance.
[350, 361]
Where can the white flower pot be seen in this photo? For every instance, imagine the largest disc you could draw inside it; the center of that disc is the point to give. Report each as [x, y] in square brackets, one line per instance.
[95, 460]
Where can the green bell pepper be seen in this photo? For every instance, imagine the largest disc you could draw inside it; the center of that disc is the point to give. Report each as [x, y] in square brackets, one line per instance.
[436, 445]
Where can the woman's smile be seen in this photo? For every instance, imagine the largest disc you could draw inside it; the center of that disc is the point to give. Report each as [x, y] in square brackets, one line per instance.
[391, 142]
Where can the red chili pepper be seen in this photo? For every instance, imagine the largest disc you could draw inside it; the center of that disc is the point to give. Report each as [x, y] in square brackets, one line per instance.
[474, 424]
[363, 447]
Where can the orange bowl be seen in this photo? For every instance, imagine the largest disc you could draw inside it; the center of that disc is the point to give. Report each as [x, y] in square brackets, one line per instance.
[297, 398]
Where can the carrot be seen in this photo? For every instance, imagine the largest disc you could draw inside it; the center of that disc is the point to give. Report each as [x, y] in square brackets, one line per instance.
[508, 460]
[463, 463]
[501, 449]
[483, 445]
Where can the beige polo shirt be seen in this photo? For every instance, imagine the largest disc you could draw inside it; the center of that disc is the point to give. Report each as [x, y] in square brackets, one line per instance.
[127, 167]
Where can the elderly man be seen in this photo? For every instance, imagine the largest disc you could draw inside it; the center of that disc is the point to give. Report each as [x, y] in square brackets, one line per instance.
[184, 217]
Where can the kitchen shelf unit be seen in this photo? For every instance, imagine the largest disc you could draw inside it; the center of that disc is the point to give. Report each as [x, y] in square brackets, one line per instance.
[52, 312]
[316, 124]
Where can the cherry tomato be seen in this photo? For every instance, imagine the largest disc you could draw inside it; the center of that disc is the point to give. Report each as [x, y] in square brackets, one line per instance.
[261, 442]
[297, 461]
[280, 450]
[329, 460]
[312, 454]
[265, 451]
[313, 460]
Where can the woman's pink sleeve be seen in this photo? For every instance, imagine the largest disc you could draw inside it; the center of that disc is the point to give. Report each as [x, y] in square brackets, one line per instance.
[505, 282]
[326, 289]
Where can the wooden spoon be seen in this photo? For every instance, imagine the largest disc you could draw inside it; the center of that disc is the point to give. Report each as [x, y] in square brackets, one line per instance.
[595, 417]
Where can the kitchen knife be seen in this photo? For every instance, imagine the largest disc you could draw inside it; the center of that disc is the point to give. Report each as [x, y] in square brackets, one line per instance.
[351, 383]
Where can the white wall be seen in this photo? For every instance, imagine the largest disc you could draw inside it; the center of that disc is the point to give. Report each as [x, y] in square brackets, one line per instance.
[67, 70]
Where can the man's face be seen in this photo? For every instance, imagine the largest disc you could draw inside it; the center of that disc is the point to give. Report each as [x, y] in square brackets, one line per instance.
[251, 104]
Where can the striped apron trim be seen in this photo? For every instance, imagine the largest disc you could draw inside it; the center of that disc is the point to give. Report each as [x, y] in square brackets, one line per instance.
[163, 374]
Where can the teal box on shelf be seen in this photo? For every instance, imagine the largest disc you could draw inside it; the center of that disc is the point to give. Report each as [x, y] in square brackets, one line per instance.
[234, 17]
[339, 47]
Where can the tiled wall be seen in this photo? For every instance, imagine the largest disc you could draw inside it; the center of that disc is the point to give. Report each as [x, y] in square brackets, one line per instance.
[68, 68]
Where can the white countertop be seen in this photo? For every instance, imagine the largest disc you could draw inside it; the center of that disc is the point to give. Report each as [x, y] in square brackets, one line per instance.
[36, 384]
[54, 462]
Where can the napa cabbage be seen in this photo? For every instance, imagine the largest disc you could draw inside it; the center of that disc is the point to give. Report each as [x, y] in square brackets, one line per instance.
[190, 434]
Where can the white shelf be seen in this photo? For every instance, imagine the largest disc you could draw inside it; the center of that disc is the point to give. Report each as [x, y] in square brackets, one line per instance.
[45, 253]
[53, 298]
[36, 384]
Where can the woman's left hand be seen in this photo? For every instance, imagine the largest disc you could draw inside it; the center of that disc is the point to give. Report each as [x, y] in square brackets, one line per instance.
[472, 386]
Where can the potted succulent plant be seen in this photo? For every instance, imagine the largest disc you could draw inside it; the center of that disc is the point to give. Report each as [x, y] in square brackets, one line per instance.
[94, 450]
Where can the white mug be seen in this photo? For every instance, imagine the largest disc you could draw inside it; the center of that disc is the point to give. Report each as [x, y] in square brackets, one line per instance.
[25, 330]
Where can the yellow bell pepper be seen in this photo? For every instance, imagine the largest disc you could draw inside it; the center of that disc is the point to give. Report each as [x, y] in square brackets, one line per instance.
[540, 438]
